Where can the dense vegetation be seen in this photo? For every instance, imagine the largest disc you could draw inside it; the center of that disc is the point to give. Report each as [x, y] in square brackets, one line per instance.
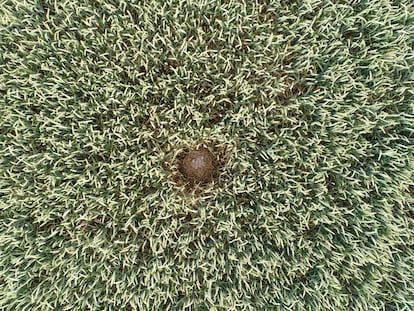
[307, 105]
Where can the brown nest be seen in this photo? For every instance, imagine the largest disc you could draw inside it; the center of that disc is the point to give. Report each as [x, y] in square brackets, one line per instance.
[198, 166]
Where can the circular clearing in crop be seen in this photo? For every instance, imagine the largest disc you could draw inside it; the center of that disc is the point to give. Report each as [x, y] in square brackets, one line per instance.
[198, 166]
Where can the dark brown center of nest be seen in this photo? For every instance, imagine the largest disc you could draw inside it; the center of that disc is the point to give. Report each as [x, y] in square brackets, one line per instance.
[198, 165]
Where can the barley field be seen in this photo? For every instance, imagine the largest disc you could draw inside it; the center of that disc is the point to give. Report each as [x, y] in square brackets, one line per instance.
[307, 111]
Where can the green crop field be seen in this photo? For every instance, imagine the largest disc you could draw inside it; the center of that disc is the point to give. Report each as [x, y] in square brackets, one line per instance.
[307, 110]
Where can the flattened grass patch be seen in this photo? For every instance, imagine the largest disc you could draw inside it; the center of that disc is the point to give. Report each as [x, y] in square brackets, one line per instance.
[198, 166]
